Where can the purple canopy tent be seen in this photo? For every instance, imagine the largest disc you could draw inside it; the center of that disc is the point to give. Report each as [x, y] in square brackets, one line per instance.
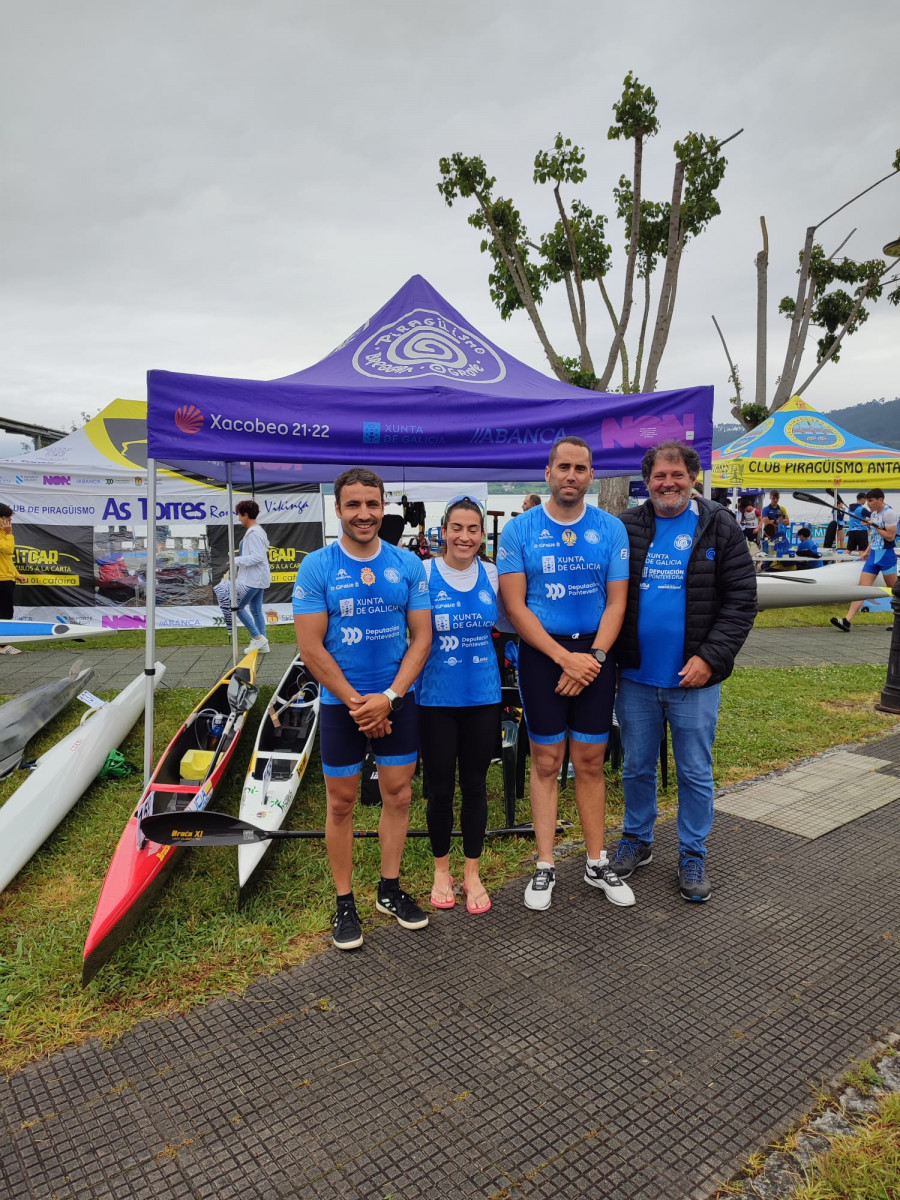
[416, 393]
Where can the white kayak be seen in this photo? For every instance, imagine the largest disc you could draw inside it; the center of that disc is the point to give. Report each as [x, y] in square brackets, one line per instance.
[62, 775]
[837, 583]
[42, 631]
[284, 743]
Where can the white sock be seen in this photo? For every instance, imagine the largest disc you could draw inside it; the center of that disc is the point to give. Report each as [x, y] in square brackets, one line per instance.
[599, 862]
[545, 865]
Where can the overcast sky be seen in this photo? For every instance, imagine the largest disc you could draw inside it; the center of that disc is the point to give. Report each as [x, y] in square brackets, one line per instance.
[232, 188]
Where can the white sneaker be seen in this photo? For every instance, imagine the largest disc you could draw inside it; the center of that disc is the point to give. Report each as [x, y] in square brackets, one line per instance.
[604, 877]
[540, 887]
[261, 644]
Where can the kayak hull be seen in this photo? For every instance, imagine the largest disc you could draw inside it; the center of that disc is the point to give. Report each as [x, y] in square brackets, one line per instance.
[24, 716]
[42, 631]
[280, 757]
[837, 583]
[138, 867]
[63, 775]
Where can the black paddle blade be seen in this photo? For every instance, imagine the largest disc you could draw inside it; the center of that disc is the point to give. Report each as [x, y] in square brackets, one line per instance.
[201, 829]
[808, 498]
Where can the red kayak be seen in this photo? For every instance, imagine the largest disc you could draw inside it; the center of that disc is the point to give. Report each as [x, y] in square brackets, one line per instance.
[185, 779]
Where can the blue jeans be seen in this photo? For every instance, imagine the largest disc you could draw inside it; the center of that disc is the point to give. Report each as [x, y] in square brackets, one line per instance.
[250, 613]
[692, 714]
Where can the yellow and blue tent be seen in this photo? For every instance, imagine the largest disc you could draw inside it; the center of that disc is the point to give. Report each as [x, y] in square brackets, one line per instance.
[800, 447]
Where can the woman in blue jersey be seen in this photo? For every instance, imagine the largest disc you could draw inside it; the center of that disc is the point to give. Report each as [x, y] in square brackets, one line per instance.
[458, 698]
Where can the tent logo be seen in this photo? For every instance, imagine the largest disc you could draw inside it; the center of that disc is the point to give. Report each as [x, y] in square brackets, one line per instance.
[814, 433]
[423, 344]
[189, 419]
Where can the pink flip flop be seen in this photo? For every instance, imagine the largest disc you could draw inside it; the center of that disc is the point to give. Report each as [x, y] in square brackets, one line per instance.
[9, 650]
[443, 903]
[476, 909]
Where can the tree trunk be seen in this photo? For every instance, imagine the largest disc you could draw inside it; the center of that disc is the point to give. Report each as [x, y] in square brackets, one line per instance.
[636, 383]
[628, 297]
[762, 292]
[612, 494]
[664, 308]
[794, 347]
[519, 278]
[581, 323]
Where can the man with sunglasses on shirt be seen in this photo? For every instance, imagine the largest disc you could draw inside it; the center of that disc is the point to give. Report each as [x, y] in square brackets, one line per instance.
[563, 570]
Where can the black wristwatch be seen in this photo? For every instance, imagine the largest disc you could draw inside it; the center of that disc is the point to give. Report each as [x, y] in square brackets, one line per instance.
[395, 699]
[600, 656]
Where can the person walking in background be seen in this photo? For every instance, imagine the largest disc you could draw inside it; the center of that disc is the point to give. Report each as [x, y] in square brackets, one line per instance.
[9, 576]
[458, 698]
[691, 604]
[253, 573]
[882, 523]
[858, 534]
[354, 602]
[531, 501]
[564, 579]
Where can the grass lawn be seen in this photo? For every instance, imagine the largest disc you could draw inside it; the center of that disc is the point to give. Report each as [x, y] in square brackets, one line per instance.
[195, 944]
[129, 639]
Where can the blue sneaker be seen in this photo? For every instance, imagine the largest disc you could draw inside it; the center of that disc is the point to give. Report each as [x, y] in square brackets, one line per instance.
[693, 882]
[630, 854]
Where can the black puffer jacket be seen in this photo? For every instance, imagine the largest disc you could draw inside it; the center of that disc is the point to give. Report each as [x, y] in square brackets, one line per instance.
[721, 588]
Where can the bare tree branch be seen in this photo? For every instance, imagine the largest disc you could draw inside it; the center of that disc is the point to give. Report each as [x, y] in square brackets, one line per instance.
[628, 297]
[581, 323]
[734, 377]
[783, 391]
[762, 294]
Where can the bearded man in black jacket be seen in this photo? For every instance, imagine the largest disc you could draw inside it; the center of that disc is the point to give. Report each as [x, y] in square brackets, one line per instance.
[691, 604]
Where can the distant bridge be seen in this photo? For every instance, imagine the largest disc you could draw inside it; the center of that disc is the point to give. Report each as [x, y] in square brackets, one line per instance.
[39, 434]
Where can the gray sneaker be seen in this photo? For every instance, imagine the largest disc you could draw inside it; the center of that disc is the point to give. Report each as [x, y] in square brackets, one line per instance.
[630, 854]
[693, 882]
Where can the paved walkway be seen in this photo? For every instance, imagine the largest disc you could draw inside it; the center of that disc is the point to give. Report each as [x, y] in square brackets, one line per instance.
[636, 1054]
[198, 666]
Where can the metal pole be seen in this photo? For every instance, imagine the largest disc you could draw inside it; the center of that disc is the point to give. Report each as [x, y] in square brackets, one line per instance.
[150, 628]
[890, 697]
[232, 570]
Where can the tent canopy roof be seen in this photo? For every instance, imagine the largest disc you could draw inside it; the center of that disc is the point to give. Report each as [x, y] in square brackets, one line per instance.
[798, 446]
[418, 393]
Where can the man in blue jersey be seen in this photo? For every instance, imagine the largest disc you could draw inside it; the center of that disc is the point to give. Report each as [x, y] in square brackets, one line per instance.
[882, 521]
[691, 604]
[354, 602]
[564, 580]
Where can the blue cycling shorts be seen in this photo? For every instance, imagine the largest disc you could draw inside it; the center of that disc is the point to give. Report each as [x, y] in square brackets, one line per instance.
[884, 561]
[587, 717]
[343, 746]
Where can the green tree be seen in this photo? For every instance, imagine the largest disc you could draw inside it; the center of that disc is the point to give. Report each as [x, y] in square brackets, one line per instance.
[820, 303]
[576, 251]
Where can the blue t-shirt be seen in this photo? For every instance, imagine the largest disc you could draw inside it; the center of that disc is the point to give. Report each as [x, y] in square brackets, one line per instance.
[567, 565]
[367, 601]
[858, 514]
[461, 668]
[661, 613]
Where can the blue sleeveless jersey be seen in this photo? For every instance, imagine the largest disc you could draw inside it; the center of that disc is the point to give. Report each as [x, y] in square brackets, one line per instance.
[366, 601]
[462, 666]
[567, 565]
